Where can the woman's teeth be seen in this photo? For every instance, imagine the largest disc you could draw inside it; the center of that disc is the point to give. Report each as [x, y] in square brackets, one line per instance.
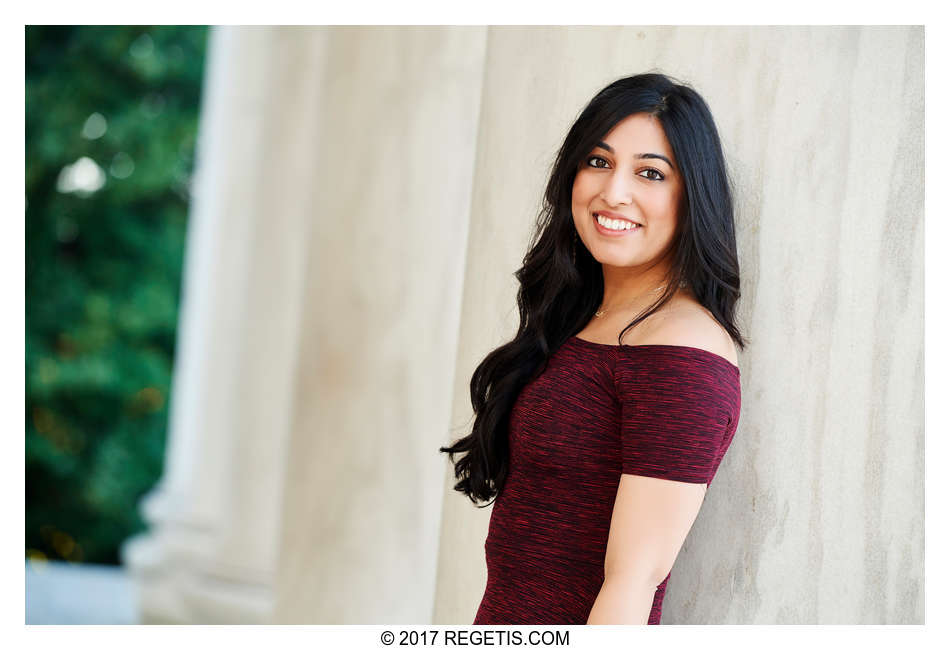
[616, 224]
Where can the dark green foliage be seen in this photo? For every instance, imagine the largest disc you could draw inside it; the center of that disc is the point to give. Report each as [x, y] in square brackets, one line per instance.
[103, 274]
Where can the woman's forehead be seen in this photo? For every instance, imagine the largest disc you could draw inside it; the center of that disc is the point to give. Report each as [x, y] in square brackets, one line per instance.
[637, 130]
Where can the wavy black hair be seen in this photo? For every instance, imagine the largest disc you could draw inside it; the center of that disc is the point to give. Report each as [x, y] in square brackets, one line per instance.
[561, 284]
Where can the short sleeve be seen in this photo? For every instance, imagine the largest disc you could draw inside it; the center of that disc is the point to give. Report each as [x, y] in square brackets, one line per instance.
[679, 408]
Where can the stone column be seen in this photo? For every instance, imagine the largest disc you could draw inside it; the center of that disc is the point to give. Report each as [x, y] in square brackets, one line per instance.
[210, 553]
[363, 501]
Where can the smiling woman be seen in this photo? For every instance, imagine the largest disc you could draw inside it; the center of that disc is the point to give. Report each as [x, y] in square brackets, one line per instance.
[623, 172]
[598, 455]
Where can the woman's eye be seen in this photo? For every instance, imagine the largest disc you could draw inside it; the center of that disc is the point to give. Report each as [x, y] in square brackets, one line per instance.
[651, 174]
[657, 175]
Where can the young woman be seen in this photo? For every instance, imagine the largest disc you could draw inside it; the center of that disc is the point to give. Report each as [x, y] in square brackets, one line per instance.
[600, 425]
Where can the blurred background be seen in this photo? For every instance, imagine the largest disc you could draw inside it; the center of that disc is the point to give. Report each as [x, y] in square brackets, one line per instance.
[111, 123]
[263, 262]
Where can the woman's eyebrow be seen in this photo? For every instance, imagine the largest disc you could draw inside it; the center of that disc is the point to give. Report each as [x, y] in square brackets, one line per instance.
[604, 145]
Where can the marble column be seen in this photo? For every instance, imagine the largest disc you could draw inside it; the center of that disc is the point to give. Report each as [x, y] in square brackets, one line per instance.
[211, 551]
[361, 524]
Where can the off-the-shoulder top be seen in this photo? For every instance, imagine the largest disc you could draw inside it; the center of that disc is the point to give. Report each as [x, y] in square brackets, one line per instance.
[596, 411]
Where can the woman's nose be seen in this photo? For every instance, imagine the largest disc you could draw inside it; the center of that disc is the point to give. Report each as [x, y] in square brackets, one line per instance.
[618, 188]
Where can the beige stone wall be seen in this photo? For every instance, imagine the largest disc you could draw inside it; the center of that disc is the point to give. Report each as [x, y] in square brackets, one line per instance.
[421, 167]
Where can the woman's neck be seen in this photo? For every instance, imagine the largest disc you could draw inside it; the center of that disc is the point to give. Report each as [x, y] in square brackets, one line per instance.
[626, 286]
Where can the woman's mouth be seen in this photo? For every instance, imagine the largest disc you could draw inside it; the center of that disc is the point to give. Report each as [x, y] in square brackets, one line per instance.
[612, 227]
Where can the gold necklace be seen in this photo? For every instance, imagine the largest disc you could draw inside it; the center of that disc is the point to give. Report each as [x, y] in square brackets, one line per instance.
[601, 312]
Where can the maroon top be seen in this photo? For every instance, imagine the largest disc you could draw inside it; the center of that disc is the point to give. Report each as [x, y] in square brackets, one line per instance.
[597, 411]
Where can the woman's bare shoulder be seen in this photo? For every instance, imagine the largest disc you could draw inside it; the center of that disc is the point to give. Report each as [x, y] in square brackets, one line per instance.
[685, 322]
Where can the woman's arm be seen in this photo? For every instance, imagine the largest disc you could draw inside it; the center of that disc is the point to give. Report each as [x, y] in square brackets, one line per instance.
[650, 521]
[625, 600]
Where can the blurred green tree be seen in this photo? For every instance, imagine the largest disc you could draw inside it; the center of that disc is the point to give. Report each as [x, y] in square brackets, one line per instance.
[111, 121]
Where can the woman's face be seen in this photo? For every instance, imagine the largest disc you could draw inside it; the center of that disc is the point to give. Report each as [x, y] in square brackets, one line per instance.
[630, 177]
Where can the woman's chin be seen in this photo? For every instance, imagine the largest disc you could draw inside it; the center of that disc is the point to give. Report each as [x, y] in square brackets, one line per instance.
[614, 260]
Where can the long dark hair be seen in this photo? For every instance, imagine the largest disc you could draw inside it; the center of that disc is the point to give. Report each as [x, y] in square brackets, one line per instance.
[561, 282]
